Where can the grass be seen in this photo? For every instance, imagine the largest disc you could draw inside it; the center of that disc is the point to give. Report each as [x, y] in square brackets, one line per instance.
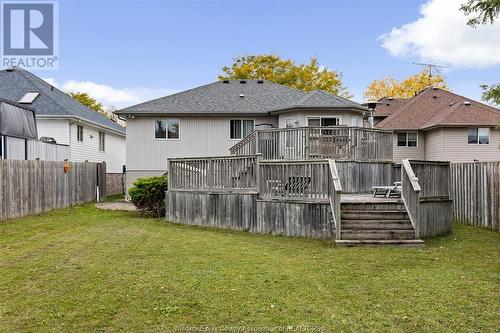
[81, 269]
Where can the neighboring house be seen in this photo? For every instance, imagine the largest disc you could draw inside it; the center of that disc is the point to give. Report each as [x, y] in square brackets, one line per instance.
[89, 135]
[436, 124]
[208, 120]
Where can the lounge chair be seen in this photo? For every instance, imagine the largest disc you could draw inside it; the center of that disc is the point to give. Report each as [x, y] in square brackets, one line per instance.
[387, 191]
[296, 186]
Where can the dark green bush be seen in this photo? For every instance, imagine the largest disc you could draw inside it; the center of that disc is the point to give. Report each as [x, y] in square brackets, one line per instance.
[148, 195]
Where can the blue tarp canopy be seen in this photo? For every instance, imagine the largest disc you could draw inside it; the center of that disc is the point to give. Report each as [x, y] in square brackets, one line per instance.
[17, 121]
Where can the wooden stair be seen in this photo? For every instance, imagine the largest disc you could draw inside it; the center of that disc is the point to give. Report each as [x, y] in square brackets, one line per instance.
[382, 223]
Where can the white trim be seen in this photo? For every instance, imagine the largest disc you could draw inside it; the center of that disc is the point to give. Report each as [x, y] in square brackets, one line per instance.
[166, 133]
[242, 137]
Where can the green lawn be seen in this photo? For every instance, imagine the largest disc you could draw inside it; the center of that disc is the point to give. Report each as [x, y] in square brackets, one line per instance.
[80, 269]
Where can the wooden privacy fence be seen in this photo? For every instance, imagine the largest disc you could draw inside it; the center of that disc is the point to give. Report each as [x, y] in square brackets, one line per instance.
[427, 197]
[32, 187]
[475, 190]
[300, 143]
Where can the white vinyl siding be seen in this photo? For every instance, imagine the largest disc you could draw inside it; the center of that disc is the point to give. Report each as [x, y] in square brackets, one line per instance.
[54, 128]
[88, 150]
[416, 153]
[345, 117]
[201, 136]
[434, 145]
[457, 149]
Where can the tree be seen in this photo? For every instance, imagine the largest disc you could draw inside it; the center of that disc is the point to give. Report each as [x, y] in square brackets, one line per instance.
[307, 77]
[486, 11]
[491, 93]
[91, 103]
[390, 87]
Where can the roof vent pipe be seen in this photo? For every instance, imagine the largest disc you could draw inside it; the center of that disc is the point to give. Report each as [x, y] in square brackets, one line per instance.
[466, 103]
[243, 81]
[242, 96]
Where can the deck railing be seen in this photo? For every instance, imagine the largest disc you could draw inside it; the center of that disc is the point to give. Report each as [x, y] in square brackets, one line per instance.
[214, 173]
[426, 195]
[301, 143]
[296, 180]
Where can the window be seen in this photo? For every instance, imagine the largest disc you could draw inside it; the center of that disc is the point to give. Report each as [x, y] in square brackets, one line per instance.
[79, 133]
[28, 98]
[167, 129]
[323, 121]
[479, 136]
[407, 139]
[240, 128]
[355, 121]
[290, 122]
[102, 141]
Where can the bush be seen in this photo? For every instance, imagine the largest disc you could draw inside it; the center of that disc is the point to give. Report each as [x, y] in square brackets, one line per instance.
[148, 195]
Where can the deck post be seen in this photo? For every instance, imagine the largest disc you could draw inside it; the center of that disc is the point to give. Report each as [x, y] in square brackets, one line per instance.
[258, 157]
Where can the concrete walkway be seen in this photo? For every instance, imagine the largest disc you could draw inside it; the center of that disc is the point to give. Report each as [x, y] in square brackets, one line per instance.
[117, 205]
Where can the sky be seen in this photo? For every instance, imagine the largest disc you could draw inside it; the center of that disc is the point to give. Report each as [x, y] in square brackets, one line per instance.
[128, 51]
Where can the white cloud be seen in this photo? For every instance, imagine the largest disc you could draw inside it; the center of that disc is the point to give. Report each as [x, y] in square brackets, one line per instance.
[442, 35]
[110, 96]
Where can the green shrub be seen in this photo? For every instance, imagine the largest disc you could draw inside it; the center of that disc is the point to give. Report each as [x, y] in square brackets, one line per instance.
[148, 195]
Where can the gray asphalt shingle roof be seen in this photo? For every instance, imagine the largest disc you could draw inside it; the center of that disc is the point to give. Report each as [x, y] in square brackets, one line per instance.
[233, 96]
[16, 82]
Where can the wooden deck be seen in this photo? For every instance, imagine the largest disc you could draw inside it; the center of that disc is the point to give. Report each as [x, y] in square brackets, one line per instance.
[310, 198]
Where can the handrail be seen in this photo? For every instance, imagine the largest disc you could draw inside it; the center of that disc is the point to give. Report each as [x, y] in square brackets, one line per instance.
[334, 197]
[243, 141]
[228, 157]
[335, 175]
[411, 175]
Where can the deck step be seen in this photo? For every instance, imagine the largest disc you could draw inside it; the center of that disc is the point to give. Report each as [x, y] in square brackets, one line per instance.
[373, 215]
[403, 224]
[369, 206]
[371, 234]
[381, 243]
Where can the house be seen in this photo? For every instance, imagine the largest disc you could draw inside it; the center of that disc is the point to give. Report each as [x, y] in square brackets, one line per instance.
[210, 119]
[88, 135]
[436, 124]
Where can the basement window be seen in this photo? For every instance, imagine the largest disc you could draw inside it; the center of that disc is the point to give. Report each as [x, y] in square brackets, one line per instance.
[479, 136]
[407, 139]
